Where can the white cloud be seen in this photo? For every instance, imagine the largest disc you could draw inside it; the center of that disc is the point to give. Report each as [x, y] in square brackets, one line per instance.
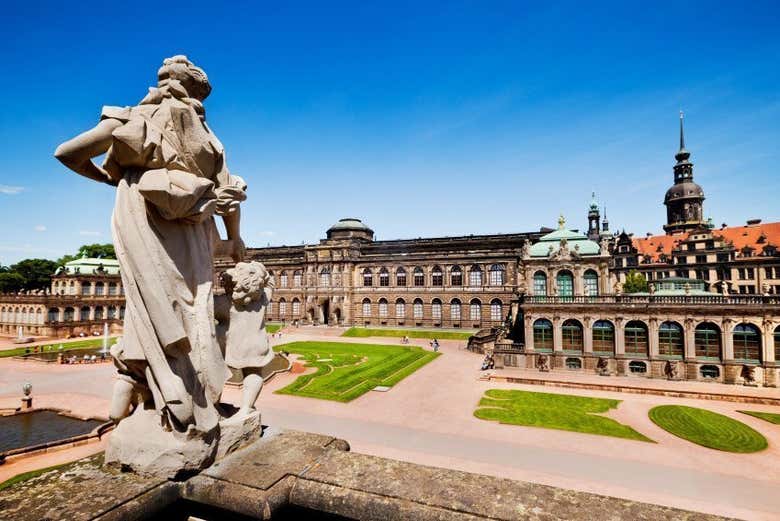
[267, 233]
[40, 228]
[89, 233]
[10, 190]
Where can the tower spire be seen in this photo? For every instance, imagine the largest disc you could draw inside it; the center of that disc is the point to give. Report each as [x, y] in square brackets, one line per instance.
[682, 134]
[682, 155]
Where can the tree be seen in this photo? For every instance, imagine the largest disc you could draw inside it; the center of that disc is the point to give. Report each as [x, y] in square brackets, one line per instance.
[102, 251]
[35, 272]
[635, 283]
[10, 282]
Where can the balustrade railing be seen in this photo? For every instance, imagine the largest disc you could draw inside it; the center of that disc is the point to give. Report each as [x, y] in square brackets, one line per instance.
[738, 300]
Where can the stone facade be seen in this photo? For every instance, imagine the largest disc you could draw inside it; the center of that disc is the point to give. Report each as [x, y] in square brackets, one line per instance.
[84, 294]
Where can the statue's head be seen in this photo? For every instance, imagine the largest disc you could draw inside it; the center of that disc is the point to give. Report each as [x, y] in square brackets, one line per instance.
[245, 282]
[192, 78]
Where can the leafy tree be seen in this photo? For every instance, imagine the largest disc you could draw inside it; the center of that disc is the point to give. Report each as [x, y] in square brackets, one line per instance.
[10, 282]
[635, 283]
[36, 273]
[103, 251]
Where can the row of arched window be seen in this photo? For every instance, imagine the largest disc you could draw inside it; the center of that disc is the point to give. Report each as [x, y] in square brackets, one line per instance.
[474, 277]
[21, 315]
[671, 339]
[456, 309]
[496, 276]
[87, 288]
[86, 313]
[564, 281]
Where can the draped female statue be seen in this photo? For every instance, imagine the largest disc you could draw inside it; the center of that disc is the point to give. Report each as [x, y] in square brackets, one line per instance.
[171, 178]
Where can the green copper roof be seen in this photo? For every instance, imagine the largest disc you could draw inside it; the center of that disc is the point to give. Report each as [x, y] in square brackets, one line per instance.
[576, 242]
[90, 266]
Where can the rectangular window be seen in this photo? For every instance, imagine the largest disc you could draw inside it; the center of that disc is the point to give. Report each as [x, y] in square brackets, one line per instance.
[297, 280]
[283, 281]
[701, 259]
[475, 278]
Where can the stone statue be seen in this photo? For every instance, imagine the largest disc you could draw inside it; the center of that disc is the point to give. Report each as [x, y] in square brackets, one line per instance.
[241, 326]
[748, 375]
[670, 370]
[170, 175]
[617, 288]
[724, 288]
[765, 288]
[602, 366]
[604, 247]
[542, 363]
[525, 250]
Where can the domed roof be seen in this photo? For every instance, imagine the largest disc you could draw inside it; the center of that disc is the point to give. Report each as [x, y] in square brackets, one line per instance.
[350, 227]
[576, 242]
[683, 190]
[90, 266]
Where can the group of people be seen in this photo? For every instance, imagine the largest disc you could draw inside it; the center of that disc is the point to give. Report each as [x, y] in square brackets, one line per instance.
[86, 359]
[433, 343]
[488, 363]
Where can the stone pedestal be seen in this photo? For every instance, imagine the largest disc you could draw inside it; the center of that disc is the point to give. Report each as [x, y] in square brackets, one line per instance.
[26, 402]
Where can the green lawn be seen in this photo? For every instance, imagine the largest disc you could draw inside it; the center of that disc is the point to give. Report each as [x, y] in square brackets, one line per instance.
[272, 328]
[554, 411]
[707, 428]
[66, 346]
[768, 416]
[362, 332]
[350, 370]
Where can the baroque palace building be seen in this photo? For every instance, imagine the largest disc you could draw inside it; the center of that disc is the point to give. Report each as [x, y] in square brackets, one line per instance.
[712, 311]
[85, 294]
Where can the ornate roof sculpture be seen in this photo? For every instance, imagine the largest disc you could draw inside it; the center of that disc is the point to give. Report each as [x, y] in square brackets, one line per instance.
[563, 243]
[90, 266]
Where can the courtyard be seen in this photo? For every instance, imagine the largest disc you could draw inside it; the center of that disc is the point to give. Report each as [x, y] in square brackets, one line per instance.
[428, 418]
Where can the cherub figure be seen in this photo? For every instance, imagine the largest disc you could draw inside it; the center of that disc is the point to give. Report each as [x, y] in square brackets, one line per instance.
[240, 313]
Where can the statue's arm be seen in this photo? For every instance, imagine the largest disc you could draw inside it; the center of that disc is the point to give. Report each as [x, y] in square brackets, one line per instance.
[77, 153]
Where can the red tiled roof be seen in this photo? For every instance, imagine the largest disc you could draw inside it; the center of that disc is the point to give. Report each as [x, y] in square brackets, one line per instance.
[739, 236]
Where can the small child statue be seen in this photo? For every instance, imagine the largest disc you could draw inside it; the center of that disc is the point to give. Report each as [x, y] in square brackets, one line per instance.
[240, 313]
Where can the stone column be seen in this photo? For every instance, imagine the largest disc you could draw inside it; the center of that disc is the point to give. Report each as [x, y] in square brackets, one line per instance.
[92, 312]
[61, 315]
[587, 335]
[620, 337]
[652, 333]
[727, 340]
[557, 335]
[529, 333]
[690, 339]
[768, 343]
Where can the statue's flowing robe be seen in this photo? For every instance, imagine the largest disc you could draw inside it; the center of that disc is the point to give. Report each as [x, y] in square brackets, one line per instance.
[172, 178]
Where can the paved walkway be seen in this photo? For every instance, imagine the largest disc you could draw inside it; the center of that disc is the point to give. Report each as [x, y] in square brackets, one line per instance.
[428, 418]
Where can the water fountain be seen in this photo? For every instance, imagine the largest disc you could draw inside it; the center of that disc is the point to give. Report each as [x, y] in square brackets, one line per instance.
[105, 350]
[20, 338]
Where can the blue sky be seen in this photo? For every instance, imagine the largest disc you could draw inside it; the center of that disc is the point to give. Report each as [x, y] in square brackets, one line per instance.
[421, 118]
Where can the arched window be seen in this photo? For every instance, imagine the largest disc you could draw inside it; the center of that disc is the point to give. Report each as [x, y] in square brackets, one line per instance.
[437, 277]
[417, 309]
[497, 275]
[99, 288]
[122, 311]
[84, 313]
[419, 276]
[68, 315]
[747, 343]
[565, 281]
[325, 277]
[456, 276]
[591, 279]
[543, 335]
[400, 277]
[382, 307]
[707, 341]
[670, 340]
[777, 344]
[297, 278]
[296, 307]
[366, 307]
[283, 280]
[436, 310]
[400, 308]
[368, 277]
[636, 338]
[455, 310]
[495, 310]
[53, 315]
[384, 277]
[111, 313]
[72, 288]
[112, 288]
[540, 283]
[475, 276]
[282, 307]
[572, 336]
[475, 310]
[603, 337]
[98, 313]
[86, 288]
